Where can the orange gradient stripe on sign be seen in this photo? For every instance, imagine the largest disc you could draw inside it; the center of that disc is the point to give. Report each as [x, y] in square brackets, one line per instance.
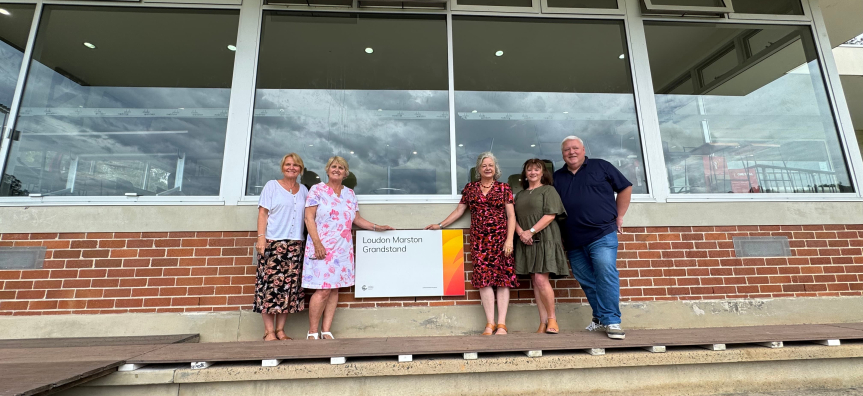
[453, 262]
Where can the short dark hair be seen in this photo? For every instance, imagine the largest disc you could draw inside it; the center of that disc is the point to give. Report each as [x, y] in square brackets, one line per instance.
[546, 174]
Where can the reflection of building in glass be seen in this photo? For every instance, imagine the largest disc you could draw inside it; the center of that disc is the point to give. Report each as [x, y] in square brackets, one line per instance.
[744, 110]
[117, 119]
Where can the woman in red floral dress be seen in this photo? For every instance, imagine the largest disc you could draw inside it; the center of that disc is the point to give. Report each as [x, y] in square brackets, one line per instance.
[492, 226]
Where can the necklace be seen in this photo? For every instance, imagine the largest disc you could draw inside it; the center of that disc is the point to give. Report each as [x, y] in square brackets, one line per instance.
[488, 186]
[530, 190]
[291, 189]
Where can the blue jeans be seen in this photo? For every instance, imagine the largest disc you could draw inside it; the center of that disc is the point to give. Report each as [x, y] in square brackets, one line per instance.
[595, 268]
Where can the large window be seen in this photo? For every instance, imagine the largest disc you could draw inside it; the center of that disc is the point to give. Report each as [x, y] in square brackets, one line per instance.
[125, 101]
[522, 85]
[15, 21]
[743, 109]
[369, 88]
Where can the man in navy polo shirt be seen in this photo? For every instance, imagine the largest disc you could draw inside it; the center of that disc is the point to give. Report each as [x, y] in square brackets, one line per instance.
[593, 219]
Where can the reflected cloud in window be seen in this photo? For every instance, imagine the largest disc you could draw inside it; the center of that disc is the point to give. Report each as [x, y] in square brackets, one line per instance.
[141, 110]
[743, 109]
[522, 104]
[372, 89]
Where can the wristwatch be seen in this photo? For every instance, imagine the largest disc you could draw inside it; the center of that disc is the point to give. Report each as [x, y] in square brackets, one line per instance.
[532, 230]
[440, 225]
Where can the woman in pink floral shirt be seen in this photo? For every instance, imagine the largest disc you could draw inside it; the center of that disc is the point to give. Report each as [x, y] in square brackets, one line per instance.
[331, 210]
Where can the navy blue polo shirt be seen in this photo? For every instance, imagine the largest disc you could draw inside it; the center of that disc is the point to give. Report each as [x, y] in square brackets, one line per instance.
[588, 196]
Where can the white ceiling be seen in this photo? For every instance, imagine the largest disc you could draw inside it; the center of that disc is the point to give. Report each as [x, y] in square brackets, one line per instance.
[136, 47]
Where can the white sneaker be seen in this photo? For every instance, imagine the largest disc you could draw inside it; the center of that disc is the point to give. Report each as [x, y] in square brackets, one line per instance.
[614, 331]
[595, 325]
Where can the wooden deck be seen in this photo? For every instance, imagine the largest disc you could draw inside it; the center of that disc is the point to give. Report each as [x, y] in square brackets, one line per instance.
[41, 366]
[516, 342]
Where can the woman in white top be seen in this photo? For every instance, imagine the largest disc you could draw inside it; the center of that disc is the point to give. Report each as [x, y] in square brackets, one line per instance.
[280, 246]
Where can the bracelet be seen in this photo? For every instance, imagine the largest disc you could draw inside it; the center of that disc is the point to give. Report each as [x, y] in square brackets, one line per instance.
[261, 235]
[440, 225]
[374, 227]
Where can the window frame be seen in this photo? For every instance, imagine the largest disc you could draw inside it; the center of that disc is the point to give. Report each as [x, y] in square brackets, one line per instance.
[702, 10]
[842, 127]
[545, 9]
[236, 162]
[534, 8]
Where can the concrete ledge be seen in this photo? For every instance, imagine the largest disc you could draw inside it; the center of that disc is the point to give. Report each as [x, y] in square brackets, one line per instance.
[437, 321]
[163, 218]
[679, 371]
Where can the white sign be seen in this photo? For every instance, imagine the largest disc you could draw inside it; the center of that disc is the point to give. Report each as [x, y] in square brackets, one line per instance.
[409, 263]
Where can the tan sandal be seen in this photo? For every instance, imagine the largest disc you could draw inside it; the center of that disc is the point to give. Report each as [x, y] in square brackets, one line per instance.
[270, 333]
[552, 327]
[489, 329]
[541, 329]
[501, 327]
[283, 332]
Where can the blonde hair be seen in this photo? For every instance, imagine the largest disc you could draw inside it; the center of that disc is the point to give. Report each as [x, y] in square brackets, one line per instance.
[338, 160]
[482, 157]
[296, 158]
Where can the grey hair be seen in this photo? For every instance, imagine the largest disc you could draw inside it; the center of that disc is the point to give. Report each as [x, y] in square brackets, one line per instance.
[568, 138]
[482, 157]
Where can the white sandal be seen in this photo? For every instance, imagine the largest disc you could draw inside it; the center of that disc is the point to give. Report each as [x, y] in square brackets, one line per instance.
[314, 336]
[327, 333]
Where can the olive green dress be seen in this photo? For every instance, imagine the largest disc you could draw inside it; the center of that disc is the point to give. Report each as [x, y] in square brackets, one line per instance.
[547, 255]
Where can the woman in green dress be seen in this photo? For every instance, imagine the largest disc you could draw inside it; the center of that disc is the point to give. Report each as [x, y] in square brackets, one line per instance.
[540, 252]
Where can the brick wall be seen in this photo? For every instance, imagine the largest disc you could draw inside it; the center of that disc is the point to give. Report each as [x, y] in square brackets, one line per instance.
[213, 271]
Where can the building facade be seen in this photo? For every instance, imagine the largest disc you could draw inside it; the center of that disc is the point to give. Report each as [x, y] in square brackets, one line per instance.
[137, 136]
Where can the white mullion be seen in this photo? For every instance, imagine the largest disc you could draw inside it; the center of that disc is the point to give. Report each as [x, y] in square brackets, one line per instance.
[651, 140]
[452, 114]
[836, 97]
[12, 116]
[241, 108]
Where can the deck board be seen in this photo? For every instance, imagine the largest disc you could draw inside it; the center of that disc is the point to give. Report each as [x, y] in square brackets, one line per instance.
[362, 347]
[856, 326]
[96, 341]
[40, 366]
[36, 378]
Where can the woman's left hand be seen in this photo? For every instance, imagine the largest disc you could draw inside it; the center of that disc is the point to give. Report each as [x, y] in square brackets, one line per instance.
[383, 228]
[507, 248]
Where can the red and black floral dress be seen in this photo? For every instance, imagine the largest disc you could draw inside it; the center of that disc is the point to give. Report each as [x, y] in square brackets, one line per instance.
[488, 235]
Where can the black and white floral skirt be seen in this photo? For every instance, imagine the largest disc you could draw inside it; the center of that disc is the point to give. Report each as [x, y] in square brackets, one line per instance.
[277, 287]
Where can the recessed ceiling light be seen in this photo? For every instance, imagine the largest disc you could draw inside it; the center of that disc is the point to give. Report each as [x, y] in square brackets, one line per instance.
[565, 112]
[380, 109]
[460, 145]
[232, 47]
[4, 11]
[352, 152]
[89, 45]
[498, 53]
[532, 145]
[415, 152]
[369, 50]
[473, 111]
[311, 145]
[622, 56]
